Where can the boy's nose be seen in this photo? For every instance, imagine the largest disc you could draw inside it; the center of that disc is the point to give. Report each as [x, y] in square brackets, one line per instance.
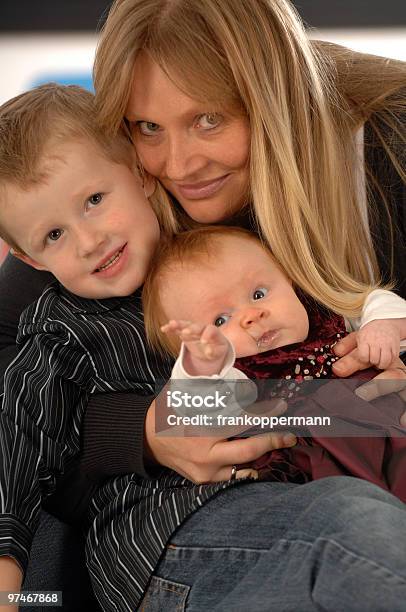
[89, 241]
[252, 315]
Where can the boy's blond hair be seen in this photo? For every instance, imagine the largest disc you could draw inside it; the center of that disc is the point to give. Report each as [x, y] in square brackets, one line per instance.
[185, 250]
[304, 100]
[33, 122]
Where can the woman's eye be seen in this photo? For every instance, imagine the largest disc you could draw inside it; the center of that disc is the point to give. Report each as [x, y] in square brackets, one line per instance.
[147, 128]
[95, 199]
[259, 293]
[54, 234]
[221, 320]
[208, 121]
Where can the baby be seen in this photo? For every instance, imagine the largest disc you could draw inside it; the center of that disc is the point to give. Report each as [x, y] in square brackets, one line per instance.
[225, 297]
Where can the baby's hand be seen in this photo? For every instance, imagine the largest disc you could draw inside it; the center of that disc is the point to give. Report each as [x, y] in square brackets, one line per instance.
[206, 346]
[379, 342]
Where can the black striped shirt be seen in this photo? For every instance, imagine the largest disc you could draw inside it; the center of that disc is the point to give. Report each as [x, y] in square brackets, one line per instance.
[71, 348]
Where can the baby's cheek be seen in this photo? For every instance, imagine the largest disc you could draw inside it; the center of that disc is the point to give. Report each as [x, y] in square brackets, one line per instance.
[228, 332]
[302, 324]
[241, 341]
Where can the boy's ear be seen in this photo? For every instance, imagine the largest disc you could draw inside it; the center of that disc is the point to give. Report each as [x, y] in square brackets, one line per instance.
[149, 184]
[28, 260]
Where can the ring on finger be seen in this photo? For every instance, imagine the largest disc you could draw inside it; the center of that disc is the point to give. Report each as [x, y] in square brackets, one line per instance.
[233, 472]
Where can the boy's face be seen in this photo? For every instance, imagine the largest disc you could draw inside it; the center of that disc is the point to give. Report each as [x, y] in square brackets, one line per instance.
[89, 222]
[243, 292]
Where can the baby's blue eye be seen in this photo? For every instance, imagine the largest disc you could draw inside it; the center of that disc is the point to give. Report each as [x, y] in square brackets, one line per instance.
[95, 199]
[259, 293]
[55, 234]
[221, 320]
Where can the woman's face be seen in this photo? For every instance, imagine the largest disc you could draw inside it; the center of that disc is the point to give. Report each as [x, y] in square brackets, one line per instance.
[198, 153]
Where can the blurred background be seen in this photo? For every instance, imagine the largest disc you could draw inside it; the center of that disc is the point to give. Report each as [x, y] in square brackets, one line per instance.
[55, 40]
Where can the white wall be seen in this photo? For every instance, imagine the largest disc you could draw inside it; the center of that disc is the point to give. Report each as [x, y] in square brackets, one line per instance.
[26, 58]
[387, 42]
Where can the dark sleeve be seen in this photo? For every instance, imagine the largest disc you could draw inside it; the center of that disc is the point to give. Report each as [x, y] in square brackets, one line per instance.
[38, 420]
[380, 170]
[20, 285]
[113, 436]
[112, 444]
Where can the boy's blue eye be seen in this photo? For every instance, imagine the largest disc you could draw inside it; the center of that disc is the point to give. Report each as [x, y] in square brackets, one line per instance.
[95, 199]
[55, 234]
[259, 293]
[221, 320]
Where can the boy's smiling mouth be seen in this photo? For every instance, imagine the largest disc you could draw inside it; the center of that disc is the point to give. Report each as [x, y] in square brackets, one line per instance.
[110, 261]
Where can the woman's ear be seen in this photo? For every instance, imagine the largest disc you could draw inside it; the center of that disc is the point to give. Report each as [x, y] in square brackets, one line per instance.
[148, 184]
[28, 260]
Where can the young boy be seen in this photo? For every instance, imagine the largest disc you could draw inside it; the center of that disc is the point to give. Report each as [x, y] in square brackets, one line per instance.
[237, 302]
[70, 203]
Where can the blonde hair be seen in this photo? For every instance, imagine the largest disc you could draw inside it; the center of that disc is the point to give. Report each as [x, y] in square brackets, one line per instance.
[199, 246]
[305, 102]
[32, 121]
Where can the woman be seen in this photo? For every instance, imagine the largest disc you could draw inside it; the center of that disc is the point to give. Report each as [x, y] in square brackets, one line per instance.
[273, 137]
[279, 121]
[237, 115]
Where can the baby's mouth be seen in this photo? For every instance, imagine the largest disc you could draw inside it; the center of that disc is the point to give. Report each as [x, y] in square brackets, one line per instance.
[267, 339]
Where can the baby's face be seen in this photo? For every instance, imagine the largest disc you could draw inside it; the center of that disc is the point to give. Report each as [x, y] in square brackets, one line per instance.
[243, 292]
[89, 222]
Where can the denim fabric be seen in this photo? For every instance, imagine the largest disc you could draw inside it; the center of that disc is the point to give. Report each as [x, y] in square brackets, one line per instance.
[57, 564]
[337, 544]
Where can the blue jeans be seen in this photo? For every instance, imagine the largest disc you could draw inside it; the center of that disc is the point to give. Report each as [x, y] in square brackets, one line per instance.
[335, 544]
[57, 563]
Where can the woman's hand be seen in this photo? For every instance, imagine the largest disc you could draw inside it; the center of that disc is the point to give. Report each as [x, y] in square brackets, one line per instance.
[351, 362]
[204, 460]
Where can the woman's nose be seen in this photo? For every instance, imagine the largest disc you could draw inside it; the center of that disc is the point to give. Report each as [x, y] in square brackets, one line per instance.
[183, 158]
[252, 315]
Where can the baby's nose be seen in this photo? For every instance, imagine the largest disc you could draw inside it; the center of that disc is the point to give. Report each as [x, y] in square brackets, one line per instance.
[252, 315]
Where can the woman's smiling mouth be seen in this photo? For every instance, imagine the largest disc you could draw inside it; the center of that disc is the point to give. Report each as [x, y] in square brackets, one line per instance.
[202, 189]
